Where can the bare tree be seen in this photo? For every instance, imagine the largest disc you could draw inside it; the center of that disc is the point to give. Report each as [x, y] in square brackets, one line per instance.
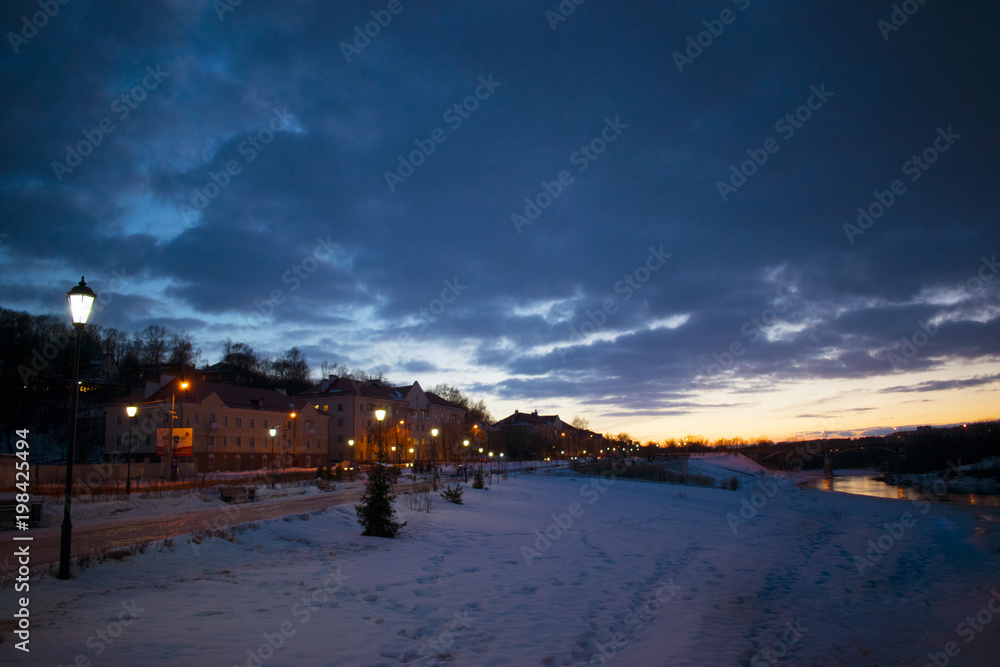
[247, 364]
[153, 343]
[290, 370]
[115, 343]
[580, 423]
[182, 350]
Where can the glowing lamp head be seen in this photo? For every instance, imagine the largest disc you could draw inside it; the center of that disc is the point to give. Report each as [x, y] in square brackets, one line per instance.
[131, 410]
[434, 432]
[380, 414]
[81, 299]
[273, 431]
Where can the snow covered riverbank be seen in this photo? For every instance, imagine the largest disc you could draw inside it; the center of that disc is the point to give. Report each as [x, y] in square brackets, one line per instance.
[550, 571]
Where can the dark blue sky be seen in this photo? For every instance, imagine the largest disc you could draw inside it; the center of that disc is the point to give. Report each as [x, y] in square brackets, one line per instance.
[624, 216]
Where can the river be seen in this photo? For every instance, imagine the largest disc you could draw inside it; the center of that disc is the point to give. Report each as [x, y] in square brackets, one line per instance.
[866, 485]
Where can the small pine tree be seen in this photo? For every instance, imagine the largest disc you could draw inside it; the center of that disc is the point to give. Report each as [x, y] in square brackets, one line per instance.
[477, 479]
[453, 495]
[376, 512]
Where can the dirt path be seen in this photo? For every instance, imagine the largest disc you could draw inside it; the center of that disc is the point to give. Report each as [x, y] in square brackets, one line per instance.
[90, 538]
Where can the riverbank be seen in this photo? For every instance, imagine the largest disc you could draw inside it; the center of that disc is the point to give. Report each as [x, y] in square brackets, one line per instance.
[551, 570]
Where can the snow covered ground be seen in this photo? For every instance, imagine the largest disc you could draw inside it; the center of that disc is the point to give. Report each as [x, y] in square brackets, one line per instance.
[551, 570]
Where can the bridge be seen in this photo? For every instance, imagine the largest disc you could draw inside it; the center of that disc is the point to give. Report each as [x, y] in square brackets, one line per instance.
[799, 452]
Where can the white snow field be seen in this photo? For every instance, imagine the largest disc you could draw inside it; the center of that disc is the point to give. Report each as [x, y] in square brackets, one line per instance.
[550, 570]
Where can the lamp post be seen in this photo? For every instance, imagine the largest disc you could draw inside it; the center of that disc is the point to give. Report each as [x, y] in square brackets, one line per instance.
[168, 472]
[468, 453]
[131, 410]
[273, 431]
[399, 440]
[379, 445]
[81, 300]
[292, 446]
[434, 455]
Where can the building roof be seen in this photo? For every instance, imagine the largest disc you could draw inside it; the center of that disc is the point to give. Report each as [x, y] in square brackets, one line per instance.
[232, 395]
[434, 399]
[345, 386]
[532, 419]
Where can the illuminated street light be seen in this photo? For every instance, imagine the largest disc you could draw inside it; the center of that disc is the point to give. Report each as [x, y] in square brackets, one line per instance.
[81, 299]
[130, 410]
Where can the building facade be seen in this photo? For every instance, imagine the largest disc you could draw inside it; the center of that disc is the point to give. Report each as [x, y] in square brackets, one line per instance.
[219, 426]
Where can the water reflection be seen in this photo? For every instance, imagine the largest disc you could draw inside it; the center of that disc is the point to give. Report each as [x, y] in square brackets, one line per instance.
[869, 486]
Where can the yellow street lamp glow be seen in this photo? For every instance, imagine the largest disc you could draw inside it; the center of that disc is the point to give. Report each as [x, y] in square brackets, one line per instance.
[184, 385]
[491, 453]
[465, 443]
[411, 450]
[380, 414]
[434, 432]
[274, 432]
[131, 410]
[350, 443]
[480, 450]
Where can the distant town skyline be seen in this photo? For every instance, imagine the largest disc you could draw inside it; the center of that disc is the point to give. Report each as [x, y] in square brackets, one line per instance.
[719, 220]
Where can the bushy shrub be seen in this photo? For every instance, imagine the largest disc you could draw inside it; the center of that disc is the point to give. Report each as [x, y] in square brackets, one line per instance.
[453, 495]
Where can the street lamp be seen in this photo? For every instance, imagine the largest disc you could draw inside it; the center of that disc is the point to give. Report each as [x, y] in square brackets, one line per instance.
[273, 431]
[434, 455]
[131, 410]
[468, 454]
[380, 446]
[81, 299]
[168, 472]
[294, 443]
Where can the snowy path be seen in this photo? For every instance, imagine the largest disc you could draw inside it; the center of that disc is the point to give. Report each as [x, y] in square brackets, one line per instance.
[548, 571]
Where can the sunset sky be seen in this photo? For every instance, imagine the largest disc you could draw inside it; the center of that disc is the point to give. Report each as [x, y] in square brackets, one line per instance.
[718, 218]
